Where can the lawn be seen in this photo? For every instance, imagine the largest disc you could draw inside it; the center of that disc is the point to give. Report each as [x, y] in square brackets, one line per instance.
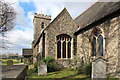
[4, 61]
[63, 74]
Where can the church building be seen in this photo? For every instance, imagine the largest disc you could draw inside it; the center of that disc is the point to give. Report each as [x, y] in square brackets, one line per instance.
[95, 32]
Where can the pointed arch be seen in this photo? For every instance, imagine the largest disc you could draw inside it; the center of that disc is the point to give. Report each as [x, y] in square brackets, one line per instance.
[63, 46]
[96, 40]
[93, 43]
[100, 45]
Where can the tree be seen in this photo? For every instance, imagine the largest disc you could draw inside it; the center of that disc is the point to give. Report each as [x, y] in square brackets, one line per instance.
[7, 17]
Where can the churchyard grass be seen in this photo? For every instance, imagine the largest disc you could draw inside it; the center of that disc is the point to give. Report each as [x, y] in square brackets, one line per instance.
[4, 61]
[63, 74]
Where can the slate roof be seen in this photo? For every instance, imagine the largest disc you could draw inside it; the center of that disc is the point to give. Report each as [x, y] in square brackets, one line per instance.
[27, 52]
[95, 13]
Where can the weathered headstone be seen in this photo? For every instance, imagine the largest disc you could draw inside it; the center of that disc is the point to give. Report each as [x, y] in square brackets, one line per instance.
[10, 62]
[42, 69]
[18, 60]
[99, 69]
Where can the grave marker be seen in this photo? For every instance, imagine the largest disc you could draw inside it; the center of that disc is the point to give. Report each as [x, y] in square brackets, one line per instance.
[99, 69]
[42, 69]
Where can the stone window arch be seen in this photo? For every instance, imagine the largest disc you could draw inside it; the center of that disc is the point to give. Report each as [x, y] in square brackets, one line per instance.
[96, 42]
[63, 46]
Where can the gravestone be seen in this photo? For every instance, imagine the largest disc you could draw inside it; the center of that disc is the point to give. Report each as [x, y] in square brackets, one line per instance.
[42, 69]
[18, 60]
[99, 69]
[10, 62]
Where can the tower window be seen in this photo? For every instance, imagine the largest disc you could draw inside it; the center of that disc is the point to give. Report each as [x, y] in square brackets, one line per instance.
[42, 25]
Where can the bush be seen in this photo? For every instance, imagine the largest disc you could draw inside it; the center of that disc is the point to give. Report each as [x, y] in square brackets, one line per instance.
[88, 69]
[50, 64]
[36, 66]
[109, 77]
[80, 70]
[85, 69]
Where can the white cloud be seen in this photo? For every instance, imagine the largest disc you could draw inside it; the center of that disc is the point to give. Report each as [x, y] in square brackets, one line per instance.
[19, 39]
[30, 16]
[54, 8]
[22, 35]
[49, 8]
[76, 8]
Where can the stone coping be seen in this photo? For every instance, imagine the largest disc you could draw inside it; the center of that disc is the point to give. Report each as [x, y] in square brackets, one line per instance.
[12, 71]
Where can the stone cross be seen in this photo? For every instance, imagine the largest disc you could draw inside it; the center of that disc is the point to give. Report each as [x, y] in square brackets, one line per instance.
[99, 69]
[10, 62]
[42, 69]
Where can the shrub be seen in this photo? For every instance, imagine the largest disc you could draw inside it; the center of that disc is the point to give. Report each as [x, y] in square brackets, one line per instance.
[36, 66]
[50, 64]
[80, 70]
[85, 69]
[109, 77]
[88, 69]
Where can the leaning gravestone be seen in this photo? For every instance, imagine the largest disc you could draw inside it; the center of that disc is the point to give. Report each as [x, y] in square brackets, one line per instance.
[10, 62]
[99, 69]
[42, 69]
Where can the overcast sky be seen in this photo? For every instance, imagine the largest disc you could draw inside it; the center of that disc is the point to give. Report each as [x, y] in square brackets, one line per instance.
[22, 35]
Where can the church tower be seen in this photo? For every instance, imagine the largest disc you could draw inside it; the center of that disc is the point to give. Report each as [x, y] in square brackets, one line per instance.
[40, 22]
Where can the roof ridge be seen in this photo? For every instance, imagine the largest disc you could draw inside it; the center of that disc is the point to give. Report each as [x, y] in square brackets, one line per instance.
[57, 17]
[86, 10]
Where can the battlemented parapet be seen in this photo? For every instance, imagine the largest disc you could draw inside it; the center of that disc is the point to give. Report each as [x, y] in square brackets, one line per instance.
[42, 16]
[40, 22]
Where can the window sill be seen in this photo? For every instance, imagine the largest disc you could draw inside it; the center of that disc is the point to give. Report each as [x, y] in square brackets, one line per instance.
[64, 59]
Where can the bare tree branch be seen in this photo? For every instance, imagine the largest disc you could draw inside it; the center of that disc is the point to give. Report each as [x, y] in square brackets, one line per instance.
[7, 17]
[7, 22]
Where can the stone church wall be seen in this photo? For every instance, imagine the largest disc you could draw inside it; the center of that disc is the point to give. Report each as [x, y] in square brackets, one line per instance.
[63, 24]
[111, 44]
[35, 51]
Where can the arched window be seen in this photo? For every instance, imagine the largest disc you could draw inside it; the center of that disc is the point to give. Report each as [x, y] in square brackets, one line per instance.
[96, 42]
[93, 43]
[63, 46]
[64, 49]
[100, 45]
[42, 25]
[58, 49]
[69, 50]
